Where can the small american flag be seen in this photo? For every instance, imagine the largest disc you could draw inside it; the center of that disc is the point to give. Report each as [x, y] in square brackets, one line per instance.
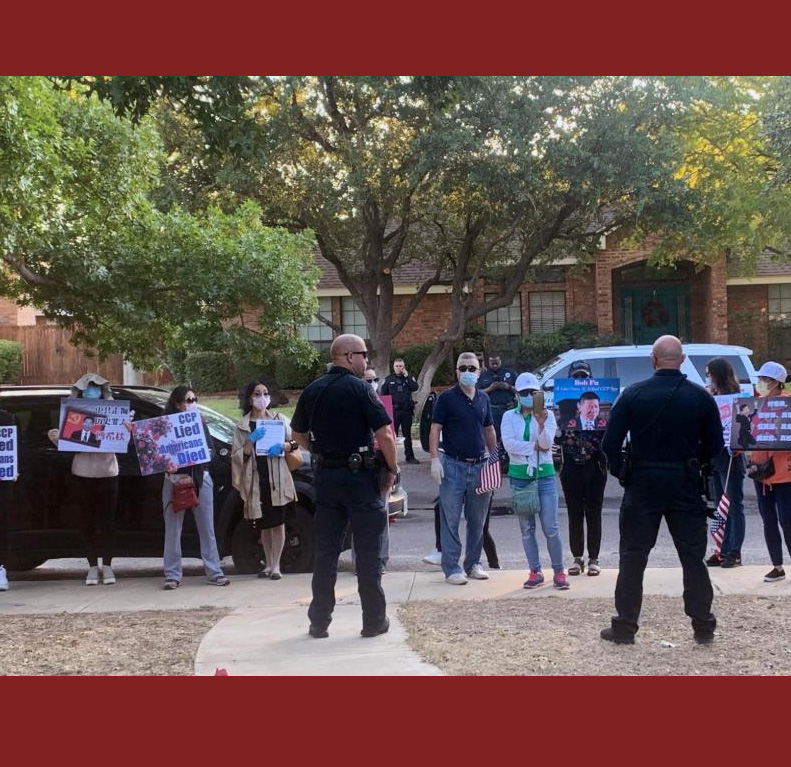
[491, 477]
[717, 525]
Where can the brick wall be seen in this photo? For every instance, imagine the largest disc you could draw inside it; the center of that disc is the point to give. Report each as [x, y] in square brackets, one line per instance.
[9, 312]
[747, 319]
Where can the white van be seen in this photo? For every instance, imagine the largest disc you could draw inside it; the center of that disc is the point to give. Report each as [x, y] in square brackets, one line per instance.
[633, 363]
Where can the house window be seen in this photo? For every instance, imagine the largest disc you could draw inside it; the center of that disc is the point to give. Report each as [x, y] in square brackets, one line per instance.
[779, 301]
[352, 318]
[506, 321]
[319, 334]
[779, 325]
[547, 311]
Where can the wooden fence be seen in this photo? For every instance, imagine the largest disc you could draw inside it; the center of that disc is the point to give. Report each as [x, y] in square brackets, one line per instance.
[49, 358]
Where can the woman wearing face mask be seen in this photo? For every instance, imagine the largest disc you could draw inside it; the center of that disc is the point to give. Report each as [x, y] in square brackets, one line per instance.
[774, 493]
[95, 483]
[728, 470]
[264, 482]
[528, 437]
[182, 399]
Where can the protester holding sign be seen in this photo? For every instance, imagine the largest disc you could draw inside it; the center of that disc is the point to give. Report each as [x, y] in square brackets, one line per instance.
[771, 470]
[8, 475]
[95, 483]
[728, 468]
[264, 481]
[183, 400]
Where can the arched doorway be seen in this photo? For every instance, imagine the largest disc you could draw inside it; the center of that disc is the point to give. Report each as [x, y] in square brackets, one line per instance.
[653, 301]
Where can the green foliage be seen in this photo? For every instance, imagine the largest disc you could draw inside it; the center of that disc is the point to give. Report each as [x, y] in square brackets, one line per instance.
[10, 362]
[209, 371]
[537, 348]
[415, 356]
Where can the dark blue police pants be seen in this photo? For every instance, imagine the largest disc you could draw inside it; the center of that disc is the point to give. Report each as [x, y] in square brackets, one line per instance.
[344, 496]
[652, 494]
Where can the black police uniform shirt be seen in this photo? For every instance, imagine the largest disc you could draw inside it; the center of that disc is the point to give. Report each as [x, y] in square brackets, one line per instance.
[463, 421]
[501, 399]
[400, 388]
[688, 427]
[347, 413]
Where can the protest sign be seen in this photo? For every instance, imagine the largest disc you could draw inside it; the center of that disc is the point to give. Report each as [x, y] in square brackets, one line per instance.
[93, 426]
[275, 435]
[170, 442]
[726, 404]
[583, 404]
[9, 462]
[761, 423]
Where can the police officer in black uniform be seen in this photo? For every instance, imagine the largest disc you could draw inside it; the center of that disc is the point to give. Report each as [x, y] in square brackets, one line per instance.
[400, 386]
[336, 418]
[675, 432]
[498, 382]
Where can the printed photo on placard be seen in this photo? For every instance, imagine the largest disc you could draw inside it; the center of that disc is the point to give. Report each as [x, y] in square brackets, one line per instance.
[93, 426]
[170, 442]
[761, 423]
[9, 452]
[584, 404]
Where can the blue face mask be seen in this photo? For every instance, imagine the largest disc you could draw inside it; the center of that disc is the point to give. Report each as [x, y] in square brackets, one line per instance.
[526, 401]
[468, 379]
[93, 392]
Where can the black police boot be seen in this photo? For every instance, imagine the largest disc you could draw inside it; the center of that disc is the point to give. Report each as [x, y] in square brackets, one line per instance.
[619, 637]
[375, 631]
[317, 632]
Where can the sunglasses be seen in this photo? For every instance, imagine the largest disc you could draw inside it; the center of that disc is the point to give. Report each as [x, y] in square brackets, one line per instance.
[375, 380]
[467, 369]
[364, 354]
[190, 400]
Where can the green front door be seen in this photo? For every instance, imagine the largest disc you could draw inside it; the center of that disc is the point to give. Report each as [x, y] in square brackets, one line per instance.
[650, 312]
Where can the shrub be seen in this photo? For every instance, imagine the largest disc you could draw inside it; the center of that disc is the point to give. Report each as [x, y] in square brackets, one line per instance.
[415, 356]
[10, 362]
[209, 371]
[538, 348]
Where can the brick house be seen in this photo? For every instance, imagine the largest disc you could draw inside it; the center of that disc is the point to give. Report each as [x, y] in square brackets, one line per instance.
[620, 294]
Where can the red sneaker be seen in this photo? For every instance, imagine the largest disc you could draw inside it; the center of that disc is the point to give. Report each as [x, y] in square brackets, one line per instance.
[536, 579]
[560, 581]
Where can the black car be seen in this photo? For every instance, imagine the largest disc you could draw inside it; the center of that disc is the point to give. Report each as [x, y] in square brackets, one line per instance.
[44, 523]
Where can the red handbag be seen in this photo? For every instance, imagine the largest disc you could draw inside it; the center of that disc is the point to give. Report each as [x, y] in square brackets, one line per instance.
[184, 495]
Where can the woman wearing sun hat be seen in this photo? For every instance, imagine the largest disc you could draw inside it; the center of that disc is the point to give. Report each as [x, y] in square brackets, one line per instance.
[774, 492]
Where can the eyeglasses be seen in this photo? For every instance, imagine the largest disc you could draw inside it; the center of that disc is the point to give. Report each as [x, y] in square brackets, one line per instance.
[190, 400]
[364, 354]
[467, 369]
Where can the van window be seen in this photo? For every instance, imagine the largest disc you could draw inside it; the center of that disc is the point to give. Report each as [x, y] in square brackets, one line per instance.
[633, 369]
[701, 360]
[597, 366]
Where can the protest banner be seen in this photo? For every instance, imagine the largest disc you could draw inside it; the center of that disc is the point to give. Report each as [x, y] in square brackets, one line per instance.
[275, 434]
[726, 404]
[170, 442]
[9, 461]
[93, 426]
[761, 423]
[584, 403]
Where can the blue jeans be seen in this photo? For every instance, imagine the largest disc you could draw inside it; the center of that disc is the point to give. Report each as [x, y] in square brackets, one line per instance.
[204, 521]
[548, 513]
[774, 504]
[456, 495]
[735, 527]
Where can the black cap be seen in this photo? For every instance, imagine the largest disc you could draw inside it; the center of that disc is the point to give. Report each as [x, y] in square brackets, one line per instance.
[577, 367]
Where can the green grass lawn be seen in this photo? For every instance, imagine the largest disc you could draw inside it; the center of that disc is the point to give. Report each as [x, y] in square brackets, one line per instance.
[230, 406]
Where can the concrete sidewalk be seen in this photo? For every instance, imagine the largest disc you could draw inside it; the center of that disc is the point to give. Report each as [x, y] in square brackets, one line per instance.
[266, 632]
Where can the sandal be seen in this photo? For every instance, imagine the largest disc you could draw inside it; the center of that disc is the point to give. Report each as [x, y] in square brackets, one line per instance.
[593, 567]
[578, 566]
[219, 580]
[171, 585]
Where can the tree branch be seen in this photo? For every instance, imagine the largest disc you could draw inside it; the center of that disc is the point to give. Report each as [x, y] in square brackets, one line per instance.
[27, 274]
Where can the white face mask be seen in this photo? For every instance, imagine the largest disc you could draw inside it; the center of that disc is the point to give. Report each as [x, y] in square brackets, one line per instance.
[762, 388]
[191, 406]
[261, 402]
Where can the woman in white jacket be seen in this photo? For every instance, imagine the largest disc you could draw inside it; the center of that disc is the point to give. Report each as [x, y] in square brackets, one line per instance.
[528, 438]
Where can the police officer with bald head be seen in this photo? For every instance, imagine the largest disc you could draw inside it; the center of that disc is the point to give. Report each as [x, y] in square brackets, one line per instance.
[675, 430]
[336, 418]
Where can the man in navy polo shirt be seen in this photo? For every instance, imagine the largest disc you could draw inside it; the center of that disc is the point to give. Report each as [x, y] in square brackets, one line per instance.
[463, 416]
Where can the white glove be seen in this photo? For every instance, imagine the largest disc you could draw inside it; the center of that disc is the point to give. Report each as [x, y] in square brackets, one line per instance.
[436, 470]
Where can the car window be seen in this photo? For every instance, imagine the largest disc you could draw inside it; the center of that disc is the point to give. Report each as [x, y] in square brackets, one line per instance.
[633, 369]
[34, 422]
[701, 360]
[597, 366]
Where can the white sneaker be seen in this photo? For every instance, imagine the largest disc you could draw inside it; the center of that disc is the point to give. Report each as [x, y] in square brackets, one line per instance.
[3, 579]
[108, 576]
[92, 579]
[435, 558]
[477, 572]
[457, 579]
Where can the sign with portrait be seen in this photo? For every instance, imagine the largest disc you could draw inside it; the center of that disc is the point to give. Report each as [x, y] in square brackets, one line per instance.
[170, 442]
[9, 451]
[584, 404]
[93, 426]
[761, 423]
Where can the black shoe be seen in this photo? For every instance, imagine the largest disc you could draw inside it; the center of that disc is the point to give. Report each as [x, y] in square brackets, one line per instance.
[704, 637]
[317, 632]
[494, 566]
[382, 628]
[714, 561]
[731, 560]
[412, 460]
[610, 635]
[774, 575]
